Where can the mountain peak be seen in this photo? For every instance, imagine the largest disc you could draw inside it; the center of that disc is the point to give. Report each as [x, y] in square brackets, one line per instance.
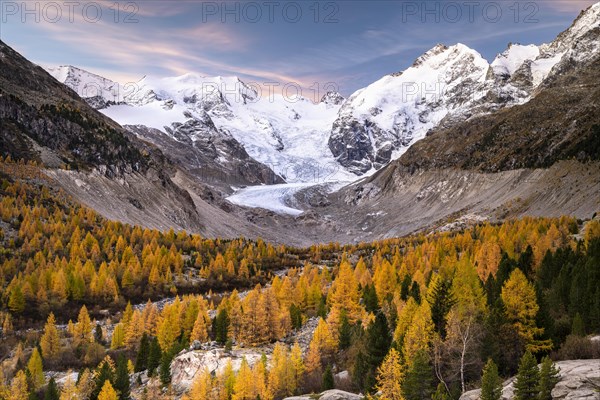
[332, 98]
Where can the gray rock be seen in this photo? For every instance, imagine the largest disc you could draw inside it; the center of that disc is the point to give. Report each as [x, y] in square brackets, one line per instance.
[579, 379]
[333, 394]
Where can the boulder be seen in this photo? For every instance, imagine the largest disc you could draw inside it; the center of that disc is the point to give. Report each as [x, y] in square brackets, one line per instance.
[333, 394]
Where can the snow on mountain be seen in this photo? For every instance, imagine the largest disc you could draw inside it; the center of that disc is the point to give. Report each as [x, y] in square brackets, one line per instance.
[289, 135]
[99, 92]
[377, 123]
[507, 63]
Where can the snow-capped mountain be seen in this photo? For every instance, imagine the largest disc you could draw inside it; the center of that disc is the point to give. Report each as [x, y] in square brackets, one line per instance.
[337, 139]
[288, 135]
[446, 85]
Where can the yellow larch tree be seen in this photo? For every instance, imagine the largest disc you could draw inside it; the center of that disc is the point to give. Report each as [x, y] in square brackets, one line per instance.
[50, 341]
[419, 334]
[18, 387]
[344, 296]
[36, 370]
[201, 387]
[83, 328]
[107, 392]
[519, 298]
[243, 389]
[389, 377]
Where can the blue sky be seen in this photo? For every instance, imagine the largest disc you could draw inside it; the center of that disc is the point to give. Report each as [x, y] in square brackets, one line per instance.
[316, 44]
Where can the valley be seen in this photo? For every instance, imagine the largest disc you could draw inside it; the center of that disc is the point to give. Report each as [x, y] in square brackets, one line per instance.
[434, 234]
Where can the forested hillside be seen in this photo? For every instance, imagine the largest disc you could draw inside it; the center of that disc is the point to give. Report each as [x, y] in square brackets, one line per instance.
[419, 315]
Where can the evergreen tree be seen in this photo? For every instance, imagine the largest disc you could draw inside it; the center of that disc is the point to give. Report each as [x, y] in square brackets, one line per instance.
[405, 287]
[378, 343]
[441, 301]
[103, 376]
[441, 393]
[154, 356]
[549, 377]
[122, 379]
[98, 334]
[296, 316]
[526, 382]
[52, 392]
[141, 360]
[328, 382]
[491, 384]
[360, 370]
[345, 332]
[418, 380]
[415, 292]
[578, 328]
[370, 298]
[221, 326]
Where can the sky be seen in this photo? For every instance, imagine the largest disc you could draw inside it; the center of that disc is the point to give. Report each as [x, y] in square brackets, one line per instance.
[314, 45]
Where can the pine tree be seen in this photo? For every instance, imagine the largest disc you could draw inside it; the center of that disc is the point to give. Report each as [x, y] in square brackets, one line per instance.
[122, 378]
[327, 382]
[345, 332]
[36, 370]
[104, 374]
[141, 360]
[526, 382]
[360, 370]
[389, 376]
[154, 356]
[221, 326]
[491, 384]
[98, 336]
[52, 392]
[50, 341]
[107, 392]
[441, 300]
[549, 377]
[378, 343]
[441, 393]
[417, 383]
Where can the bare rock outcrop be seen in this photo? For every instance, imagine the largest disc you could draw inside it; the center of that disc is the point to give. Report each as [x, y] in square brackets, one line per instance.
[579, 379]
[187, 365]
